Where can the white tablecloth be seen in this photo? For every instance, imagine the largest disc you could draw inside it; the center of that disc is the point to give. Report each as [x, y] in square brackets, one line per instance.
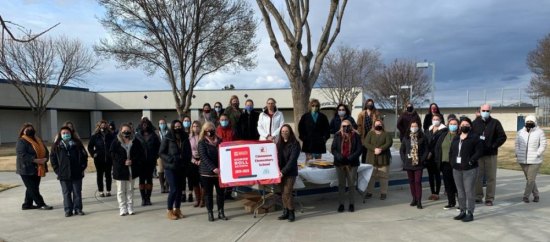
[328, 176]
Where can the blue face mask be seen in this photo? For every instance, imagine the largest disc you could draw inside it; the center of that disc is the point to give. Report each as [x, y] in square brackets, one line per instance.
[162, 126]
[218, 109]
[453, 127]
[224, 123]
[66, 137]
[186, 124]
[485, 115]
[249, 108]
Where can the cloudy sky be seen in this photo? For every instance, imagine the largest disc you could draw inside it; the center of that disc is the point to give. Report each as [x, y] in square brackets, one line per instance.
[478, 46]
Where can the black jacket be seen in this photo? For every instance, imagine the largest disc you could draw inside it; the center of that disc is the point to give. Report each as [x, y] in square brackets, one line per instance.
[69, 162]
[356, 150]
[209, 157]
[119, 156]
[174, 155]
[314, 135]
[288, 154]
[151, 148]
[25, 158]
[247, 126]
[434, 144]
[428, 120]
[405, 120]
[493, 132]
[405, 151]
[99, 147]
[336, 122]
[471, 151]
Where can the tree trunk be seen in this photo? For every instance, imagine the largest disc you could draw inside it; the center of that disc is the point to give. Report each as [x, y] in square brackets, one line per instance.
[38, 114]
[300, 96]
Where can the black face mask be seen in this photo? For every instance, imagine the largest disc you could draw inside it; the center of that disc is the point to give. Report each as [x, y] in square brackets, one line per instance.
[410, 109]
[347, 129]
[378, 127]
[210, 134]
[127, 134]
[30, 133]
[465, 129]
[370, 107]
[529, 125]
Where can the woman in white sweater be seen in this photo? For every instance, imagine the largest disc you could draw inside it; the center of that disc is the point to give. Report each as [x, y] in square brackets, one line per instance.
[270, 122]
[530, 146]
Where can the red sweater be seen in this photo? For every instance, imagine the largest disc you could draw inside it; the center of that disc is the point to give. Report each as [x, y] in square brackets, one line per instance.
[226, 134]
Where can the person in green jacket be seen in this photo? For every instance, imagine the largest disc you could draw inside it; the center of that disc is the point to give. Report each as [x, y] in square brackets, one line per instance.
[378, 143]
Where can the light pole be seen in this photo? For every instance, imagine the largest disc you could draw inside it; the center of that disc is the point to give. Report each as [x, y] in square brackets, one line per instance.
[396, 99]
[410, 93]
[426, 64]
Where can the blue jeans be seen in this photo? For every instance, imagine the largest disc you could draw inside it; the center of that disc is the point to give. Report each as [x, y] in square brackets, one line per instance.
[175, 181]
[72, 194]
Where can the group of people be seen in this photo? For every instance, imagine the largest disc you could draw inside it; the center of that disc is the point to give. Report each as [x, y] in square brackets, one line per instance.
[186, 153]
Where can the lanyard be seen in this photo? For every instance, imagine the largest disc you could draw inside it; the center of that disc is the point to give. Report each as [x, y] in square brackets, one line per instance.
[459, 147]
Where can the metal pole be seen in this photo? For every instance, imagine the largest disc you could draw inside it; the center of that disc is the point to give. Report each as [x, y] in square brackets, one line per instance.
[433, 82]
[502, 97]
[519, 104]
[411, 94]
[395, 133]
[467, 97]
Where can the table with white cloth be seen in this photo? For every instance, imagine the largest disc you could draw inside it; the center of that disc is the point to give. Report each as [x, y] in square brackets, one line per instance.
[329, 176]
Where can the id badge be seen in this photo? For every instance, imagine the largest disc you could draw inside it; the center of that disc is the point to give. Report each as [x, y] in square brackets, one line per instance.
[409, 156]
[458, 160]
[482, 137]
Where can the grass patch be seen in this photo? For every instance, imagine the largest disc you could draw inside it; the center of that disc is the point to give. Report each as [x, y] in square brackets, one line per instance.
[507, 155]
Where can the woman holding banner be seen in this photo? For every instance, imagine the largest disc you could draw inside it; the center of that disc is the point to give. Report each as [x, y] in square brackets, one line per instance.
[209, 171]
[288, 150]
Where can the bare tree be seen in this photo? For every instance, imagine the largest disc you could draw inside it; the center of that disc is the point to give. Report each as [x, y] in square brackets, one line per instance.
[391, 78]
[7, 31]
[41, 67]
[346, 71]
[538, 61]
[185, 39]
[303, 65]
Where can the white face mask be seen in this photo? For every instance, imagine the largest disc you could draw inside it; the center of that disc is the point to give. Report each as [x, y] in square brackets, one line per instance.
[414, 129]
[436, 122]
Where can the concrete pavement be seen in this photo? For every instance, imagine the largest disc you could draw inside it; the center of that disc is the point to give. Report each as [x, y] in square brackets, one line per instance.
[376, 220]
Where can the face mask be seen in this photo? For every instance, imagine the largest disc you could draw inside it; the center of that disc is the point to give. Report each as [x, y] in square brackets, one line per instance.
[30, 133]
[370, 107]
[436, 122]
[465, 129]
[347, 129]
[453, 127]
[414, 129]
[341, 113]
[224, 123]
[162, 126]
[186, 124]
[66, 137]
[410, 109]
[485, 115]
[529, 125]
[102, 130]
[434, 110]
[235, 105]
[314, 109]
[378, 127]
[285, 135]
[206, 111]
[210, 134]
[218, 109]
[249, 108]
[127, 134]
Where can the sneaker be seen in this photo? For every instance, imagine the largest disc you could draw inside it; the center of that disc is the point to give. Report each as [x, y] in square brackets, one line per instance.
[68, 214]
[108, 194]
[341, 208]
[488, 203]
[79, 212]
[536, 199]
[123, 214]
[525, 199]
[45, 207]
[479, 201]
[101, 194]
[29, 207]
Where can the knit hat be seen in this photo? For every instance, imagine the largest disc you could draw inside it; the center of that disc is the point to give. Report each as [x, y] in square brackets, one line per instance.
[531, 118]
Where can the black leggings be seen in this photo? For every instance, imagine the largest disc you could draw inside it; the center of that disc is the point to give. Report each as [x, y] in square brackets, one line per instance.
[103, 169]
[32, 183]
[209, 183]
[434, 177]
[450, 186]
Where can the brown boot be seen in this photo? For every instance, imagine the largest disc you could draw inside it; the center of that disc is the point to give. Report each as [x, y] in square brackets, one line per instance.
[177, 213]
[198, 197]
[202, 198]
[170, 214]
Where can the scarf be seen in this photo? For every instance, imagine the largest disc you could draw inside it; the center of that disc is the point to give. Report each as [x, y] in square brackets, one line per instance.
[346, 144]
[414, 148]
[40, 151]
[314, 115]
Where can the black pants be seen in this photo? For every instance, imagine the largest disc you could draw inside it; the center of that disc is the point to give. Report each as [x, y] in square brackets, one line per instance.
[193, 176]
[364, 155]
[72, 195]
[32, 183]
[103, 169]
[434, 177]
[208, 183]
[450, 186]
[174, 178]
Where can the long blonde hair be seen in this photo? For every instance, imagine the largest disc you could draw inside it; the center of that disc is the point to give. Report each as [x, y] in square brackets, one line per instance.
[206, 125]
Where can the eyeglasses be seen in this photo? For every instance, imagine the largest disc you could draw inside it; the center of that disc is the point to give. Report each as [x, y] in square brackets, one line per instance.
[487, 111]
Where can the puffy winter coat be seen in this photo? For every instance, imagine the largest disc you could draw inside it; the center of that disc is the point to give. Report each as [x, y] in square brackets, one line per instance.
[69, 161]
[530, 146]
[265, 123]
